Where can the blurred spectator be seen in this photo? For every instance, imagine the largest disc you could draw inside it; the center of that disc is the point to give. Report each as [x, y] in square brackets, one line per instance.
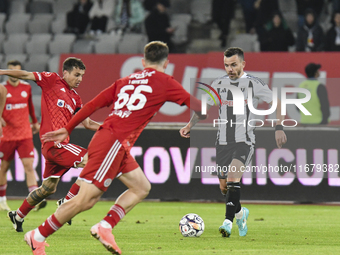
[78, 18]
[249, 13]
[157, 25]
[336, 5]
[99, 14]
[318, 105]
[277, 35]
[150, 4]
[310, 36]
[303, 5]
[129, 15]
[264, 9]
[222, 14]
[333, 35]
[4, 6]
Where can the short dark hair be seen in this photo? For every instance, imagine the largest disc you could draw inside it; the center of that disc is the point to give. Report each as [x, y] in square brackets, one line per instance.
[14, 63]
[234, 51]
[72, 62]
[156, 52]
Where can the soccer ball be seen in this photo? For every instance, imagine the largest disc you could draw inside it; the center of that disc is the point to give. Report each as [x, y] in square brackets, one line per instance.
[191, 225]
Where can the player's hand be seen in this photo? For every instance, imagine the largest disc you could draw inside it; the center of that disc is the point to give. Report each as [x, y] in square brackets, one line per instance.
[57, 136]
[185, 131]
[3, 122]
[280, 138]
[35, 128]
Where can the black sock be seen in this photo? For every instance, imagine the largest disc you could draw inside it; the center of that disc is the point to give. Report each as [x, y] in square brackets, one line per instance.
[233, 204]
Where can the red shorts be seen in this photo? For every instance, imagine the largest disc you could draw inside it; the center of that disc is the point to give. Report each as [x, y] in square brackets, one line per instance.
[60, 160]
[25, 148]
[107, 158]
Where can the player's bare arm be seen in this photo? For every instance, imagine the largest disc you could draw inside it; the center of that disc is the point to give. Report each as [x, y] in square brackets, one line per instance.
[91, 124]
[35, 128]
[185, 131]
[20, 74]
[280, 135]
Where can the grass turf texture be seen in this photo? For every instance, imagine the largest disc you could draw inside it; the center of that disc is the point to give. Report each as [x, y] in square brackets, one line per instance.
[152, 228]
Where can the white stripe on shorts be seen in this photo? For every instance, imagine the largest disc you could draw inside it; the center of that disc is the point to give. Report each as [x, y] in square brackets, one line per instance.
[106, 164]
[72, 148]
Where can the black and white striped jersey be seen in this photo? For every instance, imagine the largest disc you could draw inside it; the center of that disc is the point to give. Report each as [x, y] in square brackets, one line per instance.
[235, 128]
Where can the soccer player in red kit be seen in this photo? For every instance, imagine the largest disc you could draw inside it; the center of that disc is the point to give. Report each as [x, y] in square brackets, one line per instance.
[59, 102]
[17, 132]
[135, 98]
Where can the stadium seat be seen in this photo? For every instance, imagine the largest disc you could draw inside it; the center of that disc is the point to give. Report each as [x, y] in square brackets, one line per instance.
[181, 23]
[58, 25]
[15, 43]
[83, 46]
[20, 57]
[37, 62]
[38, 43]
[53, 64]
[2, 22]
[62, 43]
[63, 6]
[39, 7]
[179, 6]
[17, 23]
[245, 41]
[201, 10]
[17, 6]
[106, 43]
[132, 43]
[40, 23]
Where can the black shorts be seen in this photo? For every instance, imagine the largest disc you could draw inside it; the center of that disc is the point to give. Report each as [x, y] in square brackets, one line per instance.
[226, 153]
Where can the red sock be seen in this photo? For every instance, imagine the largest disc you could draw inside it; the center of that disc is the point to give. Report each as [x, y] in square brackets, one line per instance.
[31, 188]
[24, 209]
[50, 226]
[3, 190]
[73, 191]
[115, 214]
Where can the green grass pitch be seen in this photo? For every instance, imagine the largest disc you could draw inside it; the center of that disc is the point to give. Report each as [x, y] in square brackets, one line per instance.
[152, 228]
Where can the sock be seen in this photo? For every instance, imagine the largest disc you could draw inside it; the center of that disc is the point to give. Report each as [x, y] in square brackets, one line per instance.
[31, 188]
[23, 210]
[3, 199]
[239, 213]
[115, 214]
[38, 236]
[50, 226]
[3, 190]
[232, 199]
[73, 191]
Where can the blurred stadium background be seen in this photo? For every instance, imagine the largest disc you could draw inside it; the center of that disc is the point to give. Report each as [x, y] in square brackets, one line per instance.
[32, 32]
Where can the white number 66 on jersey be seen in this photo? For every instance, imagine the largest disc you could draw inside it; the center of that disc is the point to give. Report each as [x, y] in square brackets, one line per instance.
[123, 97]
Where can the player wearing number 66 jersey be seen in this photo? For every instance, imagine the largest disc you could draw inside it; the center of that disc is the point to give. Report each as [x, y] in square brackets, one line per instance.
[135, 100]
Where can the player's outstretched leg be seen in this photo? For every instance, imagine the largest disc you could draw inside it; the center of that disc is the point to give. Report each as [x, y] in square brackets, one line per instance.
[226, 227]
[38, 248]
[17, 225]
[105, 236]
[242, 221]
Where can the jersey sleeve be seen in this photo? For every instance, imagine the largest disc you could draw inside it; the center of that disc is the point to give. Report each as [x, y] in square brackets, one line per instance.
[105, 98]
[176, 93]
[45, 79]
[262, 91]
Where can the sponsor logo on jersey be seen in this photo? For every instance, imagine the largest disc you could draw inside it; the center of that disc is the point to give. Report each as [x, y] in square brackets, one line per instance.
[47, 74]
[62, 104]
[9, 95]
[24, 94]
[15, 106]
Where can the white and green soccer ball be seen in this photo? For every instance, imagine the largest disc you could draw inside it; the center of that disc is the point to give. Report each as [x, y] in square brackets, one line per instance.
[191, 225]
